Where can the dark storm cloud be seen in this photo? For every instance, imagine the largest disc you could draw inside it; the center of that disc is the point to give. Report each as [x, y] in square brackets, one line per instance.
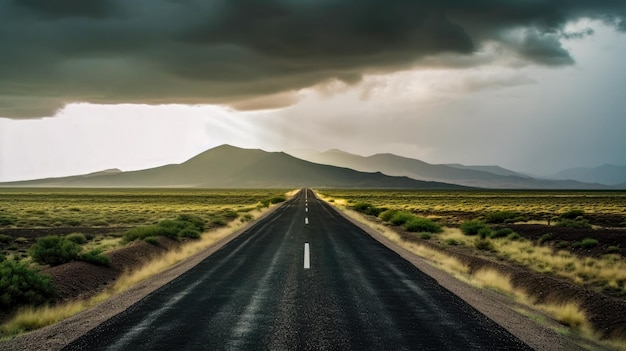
[233, 51]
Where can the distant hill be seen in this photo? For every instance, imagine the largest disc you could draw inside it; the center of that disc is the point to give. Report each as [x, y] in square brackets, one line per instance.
[605, 174]
[231, 167]
[475, 176]
[490, 169]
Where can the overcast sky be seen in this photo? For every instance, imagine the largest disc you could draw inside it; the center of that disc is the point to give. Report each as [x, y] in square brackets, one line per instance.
[534, 86]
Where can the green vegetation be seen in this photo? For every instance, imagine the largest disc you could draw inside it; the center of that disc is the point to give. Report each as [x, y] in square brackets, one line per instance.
[417, 224]
[473, 227]
[55, 250]
[49, 208]
[21, 285]
[77, 238]
[573, 219]
[184, 226]
[588, 243]
[407, 220]
[496, 206]
[504, 217]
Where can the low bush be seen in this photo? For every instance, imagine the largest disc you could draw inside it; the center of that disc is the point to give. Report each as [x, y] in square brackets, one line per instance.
[613, 249]
[588, 243]
[183, 226]
[387, 215]
[54, 250]
[472, 227]
[504, 217]
[189, 233]
[400, 217]
[425, 236]
[452, 242]
[95, 257]
[141, 233]
[21, 285]
[77, 238]
[501, 233]
[545, 237]
[484, 244]
[572, 214]
[367, 209]
[514, 237]
[579, 222]
[418, 224]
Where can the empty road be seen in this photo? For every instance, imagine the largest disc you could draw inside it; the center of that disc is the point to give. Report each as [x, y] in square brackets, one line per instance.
[303, 278]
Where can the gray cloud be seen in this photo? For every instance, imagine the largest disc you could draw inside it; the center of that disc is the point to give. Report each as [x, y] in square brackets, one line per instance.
[237, 51]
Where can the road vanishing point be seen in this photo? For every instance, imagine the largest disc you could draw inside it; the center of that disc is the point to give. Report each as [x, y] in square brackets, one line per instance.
[302, 278]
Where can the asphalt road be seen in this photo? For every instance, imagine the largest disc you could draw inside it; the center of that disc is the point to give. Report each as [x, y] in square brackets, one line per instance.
[255, 293]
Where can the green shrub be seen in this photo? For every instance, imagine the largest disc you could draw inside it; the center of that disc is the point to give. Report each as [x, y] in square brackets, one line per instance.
[418, 224]
[545, 237]
[425, 236]
[562, 244]
[5, 239]
[77, 238]
[189, 233]
[367, 209]
[387, 215]
[501, 233]
[485, 232]
[95, 257]
[246, 218]
[452, 242]
[171, 228]
[572, 214]
[588, 243]
[401, 217]
[472, 227]
[484, 244]
[196, 221]
[514, 237]
[613, 249]
[54, 250]
[142, 233]
[229, 214]
[21, 285]
[579, 222]
[503, 217]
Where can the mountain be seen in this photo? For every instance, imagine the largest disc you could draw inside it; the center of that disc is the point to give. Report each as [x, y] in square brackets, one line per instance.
[231, 167]
[605, 174]
[475, 176]
[490, 169]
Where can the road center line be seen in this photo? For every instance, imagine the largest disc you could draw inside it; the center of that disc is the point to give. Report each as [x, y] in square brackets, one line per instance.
[307, 258]
[306, 220]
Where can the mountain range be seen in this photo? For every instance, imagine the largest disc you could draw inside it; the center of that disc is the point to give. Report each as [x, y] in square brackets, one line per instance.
[493, 177]
[232, 167]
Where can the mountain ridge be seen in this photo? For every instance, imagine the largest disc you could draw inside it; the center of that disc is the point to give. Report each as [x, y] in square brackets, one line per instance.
[228, 166]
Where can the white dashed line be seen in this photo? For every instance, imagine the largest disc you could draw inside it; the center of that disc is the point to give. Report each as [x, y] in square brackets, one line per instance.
[307, 257]
[306, 220]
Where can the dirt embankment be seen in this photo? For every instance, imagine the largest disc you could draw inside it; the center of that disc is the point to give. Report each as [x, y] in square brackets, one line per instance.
[605, 313]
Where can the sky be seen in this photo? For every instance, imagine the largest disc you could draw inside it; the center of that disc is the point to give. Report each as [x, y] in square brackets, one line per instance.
[534, 86]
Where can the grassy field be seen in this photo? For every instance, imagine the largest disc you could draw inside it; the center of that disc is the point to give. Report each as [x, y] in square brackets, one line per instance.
[458, 205]
[26, 208]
